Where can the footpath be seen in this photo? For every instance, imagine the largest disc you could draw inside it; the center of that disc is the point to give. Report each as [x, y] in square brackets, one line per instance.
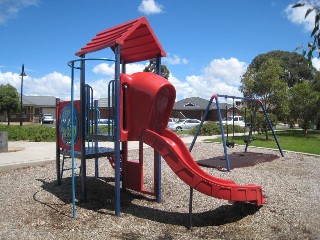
[23, 154]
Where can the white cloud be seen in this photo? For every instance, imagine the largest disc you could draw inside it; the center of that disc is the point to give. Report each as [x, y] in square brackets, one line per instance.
[150, 7]
[11, 8]
[221, 76]
[108, 70]
[52, 84]
[297, 15]
[226, 70]
[175, 60]
[316, 63]
[104, 69]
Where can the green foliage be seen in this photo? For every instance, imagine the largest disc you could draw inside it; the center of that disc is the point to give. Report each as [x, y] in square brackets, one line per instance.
[315, 34]
[261, 124]
[304, 102]
[30, 133]
[213, 128]
[152, 68]
[267, 81]
[296, 67]
[9, 100]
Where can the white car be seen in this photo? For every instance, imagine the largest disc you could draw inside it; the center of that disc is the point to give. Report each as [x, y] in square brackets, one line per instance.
[238, 120]
[47, 118]
[184, 124]
[172, 121]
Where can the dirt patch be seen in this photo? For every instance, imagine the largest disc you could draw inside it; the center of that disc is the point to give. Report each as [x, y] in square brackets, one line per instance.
[237, 160]
[15, 149]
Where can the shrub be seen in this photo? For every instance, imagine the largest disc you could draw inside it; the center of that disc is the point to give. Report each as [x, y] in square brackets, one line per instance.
[213, 128]
[30, 133]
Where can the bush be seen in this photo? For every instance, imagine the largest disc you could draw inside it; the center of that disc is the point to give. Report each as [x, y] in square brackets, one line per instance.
[213, 128]
[30, 133]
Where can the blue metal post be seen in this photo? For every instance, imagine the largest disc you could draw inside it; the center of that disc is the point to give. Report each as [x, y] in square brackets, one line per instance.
[82, 130]
[157, 156]
[58, 160]
[222, 135]
[96, 143]
[117, 131]
[271, 127]
[72, 145]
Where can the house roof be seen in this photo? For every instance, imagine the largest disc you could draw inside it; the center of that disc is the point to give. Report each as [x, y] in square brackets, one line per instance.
[41, 101]
[197, 103]
[136, 37]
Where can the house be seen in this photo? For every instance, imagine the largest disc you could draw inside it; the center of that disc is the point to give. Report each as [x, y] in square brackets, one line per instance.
[34, 106]
[195, 107]
[105, 110]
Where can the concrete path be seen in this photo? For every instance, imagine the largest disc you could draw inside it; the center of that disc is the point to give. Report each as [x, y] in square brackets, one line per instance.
[24, 154]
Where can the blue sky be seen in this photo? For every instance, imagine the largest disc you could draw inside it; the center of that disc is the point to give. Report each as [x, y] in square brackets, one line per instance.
[208, 43]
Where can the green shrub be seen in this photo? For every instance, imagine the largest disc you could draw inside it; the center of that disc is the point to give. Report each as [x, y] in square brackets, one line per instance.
[213, 128]
[37, 133]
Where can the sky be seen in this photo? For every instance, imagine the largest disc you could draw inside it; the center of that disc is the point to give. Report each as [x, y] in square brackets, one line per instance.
[209, 44]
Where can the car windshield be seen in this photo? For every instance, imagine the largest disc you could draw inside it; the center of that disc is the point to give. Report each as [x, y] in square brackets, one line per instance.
[229, 119]
[181, 120]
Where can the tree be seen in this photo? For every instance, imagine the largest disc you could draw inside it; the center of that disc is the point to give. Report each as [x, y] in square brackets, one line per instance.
[296, 67]
[303, 104]
[315, 34]
[316, 87]
[9, 100]
[152, 68]
[267, 81]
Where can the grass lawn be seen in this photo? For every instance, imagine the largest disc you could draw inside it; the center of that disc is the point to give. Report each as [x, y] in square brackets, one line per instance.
[293, 140]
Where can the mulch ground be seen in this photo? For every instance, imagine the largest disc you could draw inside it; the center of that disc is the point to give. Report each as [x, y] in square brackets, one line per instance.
[237, 160]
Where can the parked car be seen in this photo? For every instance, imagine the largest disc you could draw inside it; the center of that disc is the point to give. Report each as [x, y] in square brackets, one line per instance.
[238, 120]
[172, 121]
[47, 118]
[106, 121]
[184, 124]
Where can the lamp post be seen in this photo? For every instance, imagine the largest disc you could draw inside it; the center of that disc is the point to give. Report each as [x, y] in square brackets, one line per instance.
[23, 74]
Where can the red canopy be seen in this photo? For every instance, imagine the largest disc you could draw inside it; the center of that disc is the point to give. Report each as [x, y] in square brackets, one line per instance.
[137, 39]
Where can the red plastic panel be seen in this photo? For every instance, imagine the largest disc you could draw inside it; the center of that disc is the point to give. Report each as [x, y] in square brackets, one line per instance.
[61, 143]
[149, 99]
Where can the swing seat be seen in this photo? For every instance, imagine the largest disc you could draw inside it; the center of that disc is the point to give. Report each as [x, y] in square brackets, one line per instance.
[230, 144]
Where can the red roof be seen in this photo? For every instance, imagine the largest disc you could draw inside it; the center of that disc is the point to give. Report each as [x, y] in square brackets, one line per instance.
[137, 39]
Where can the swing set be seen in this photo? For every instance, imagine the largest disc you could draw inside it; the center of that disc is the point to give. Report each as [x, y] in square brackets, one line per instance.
[258, 103]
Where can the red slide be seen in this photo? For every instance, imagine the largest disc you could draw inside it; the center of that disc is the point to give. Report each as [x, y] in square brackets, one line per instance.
[175, 153]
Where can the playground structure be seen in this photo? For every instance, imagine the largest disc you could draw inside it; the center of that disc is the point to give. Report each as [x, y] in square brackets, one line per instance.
[141, 106]
[257, 103]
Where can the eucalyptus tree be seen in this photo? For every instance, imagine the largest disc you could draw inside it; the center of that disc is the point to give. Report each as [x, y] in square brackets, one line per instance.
[9, 100]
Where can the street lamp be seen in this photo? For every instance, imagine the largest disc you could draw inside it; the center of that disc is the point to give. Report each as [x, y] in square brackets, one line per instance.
[23, 74]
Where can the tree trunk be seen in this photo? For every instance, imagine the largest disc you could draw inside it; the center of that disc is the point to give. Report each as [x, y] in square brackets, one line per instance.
[9, 117]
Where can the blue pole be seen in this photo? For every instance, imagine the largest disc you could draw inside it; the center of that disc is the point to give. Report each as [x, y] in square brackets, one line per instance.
[157, 156]
[222, 135]
[117, 131]
[72, 145]
[96, 143]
